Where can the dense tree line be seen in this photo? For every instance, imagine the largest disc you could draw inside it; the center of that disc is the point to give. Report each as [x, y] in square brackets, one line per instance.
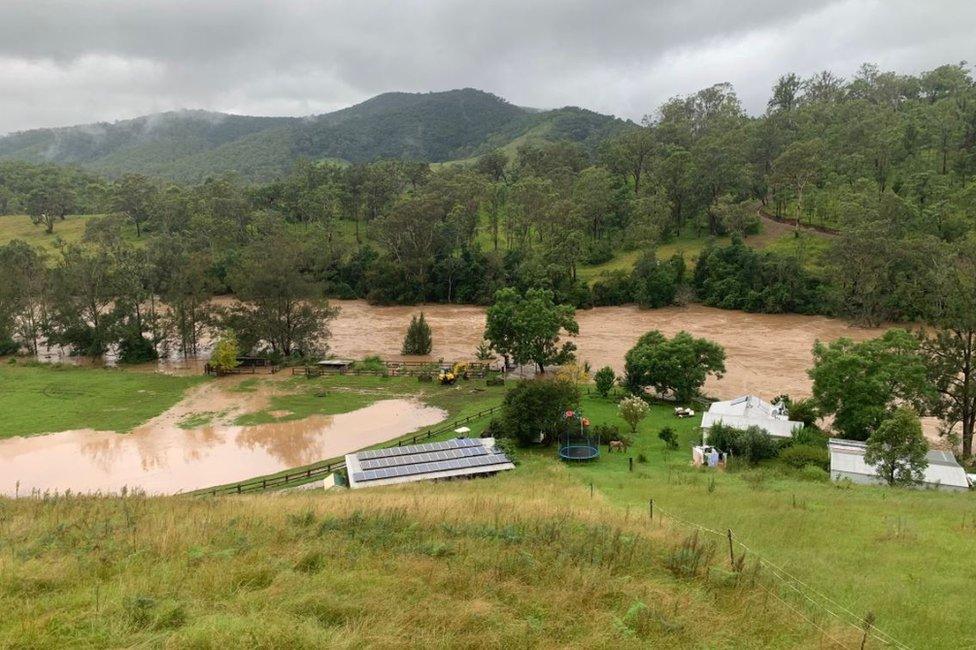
[885, 160]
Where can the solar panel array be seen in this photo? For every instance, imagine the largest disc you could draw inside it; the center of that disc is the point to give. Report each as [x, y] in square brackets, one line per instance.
[428, 458]
[407, 450]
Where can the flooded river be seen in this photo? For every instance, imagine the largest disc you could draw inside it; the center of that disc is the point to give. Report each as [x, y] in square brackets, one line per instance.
[160, 457]
[766, 354]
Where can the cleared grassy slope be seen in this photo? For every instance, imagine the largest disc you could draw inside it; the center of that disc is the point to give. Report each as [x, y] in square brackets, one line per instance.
[527, 559]
[901, 554]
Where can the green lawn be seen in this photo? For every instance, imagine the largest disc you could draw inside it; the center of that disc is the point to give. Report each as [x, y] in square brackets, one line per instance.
[904, 555]
[37, 398]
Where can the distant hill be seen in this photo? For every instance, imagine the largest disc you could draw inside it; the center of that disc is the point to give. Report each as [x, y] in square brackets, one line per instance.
[190, 145]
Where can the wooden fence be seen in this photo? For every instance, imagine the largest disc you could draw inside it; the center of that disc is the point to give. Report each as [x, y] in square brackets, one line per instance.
[326, 467]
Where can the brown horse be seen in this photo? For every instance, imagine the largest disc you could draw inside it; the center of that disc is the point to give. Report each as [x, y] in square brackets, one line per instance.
[617, 445]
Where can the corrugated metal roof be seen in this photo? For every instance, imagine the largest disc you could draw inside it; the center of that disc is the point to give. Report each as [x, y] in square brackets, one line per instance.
[751, 411]
[848, 456]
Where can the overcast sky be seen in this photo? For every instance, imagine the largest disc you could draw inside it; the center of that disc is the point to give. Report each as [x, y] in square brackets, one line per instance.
[75, 61]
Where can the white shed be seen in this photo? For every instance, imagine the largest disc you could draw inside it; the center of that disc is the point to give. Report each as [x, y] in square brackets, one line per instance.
[847, 461]
[751, 411]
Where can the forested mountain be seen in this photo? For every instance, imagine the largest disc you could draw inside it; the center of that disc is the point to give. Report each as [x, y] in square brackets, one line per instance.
[191, 145]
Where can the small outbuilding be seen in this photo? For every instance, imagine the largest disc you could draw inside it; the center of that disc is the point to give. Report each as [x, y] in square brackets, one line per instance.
[335, 365]
[847, 461]
[751, 411]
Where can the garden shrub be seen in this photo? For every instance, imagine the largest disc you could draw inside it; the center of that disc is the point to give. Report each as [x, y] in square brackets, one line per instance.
[799, 456]
[751, 445]
[669, 436]
[814, 473]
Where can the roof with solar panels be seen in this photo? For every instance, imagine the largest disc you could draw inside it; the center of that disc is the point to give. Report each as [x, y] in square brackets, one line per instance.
[460, 457]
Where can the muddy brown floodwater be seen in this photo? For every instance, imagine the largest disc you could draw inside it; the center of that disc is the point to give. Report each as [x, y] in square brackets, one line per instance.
[159, 457]
[766, 354]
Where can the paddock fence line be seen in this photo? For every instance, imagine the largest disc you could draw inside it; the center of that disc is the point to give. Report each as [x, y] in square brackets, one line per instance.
[813, 596]
[326, 467]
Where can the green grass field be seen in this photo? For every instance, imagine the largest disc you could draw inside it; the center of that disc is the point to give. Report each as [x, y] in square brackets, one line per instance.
[526, 559]
[185, 571]
[37, 398]
[19, 226]
[901, 554]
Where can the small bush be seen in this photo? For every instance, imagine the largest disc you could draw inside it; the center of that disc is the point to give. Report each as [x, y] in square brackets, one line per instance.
[598, 252]
[669, 436]
[605, 433]
[752, 444]
[814, 473]
[799, 456]
[370, 364]
[641, 458]
[605, 378]
[809, 436]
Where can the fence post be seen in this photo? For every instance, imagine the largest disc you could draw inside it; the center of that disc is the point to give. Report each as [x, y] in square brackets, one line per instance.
[731, 551]
[238, 488]
[650, 509]
[631, 459]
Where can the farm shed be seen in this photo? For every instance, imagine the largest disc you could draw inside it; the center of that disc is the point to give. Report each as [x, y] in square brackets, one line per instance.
[847, 461]
[751, 411]
[335, 364]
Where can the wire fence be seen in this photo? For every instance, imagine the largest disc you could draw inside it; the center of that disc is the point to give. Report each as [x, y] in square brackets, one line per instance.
[306, 474]
[811, 595]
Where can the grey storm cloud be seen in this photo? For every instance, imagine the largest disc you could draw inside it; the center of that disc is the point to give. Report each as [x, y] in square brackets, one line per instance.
[74, 61]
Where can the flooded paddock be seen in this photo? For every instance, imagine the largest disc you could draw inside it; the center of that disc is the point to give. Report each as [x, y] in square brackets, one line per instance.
[160, 457]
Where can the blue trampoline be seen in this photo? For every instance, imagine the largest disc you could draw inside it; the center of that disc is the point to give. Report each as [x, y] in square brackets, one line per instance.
[576, 443]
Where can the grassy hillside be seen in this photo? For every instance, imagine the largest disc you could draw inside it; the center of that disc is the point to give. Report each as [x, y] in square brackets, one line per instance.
[19, 226]
[556, 552]
[191, 145]
[900, 554]
[525, 559]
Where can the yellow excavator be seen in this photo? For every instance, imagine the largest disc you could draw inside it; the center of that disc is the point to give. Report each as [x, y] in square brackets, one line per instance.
[449, 376]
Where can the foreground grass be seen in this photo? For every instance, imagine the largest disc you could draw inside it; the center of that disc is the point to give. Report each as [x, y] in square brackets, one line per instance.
[524, 559]
[902, 554]
[44, 398]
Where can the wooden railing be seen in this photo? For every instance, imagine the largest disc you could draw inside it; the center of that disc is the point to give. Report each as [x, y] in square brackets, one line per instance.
[324, 468]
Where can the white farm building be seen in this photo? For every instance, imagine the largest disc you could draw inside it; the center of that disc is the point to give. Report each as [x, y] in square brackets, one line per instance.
[751, 411]
[847, 461]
